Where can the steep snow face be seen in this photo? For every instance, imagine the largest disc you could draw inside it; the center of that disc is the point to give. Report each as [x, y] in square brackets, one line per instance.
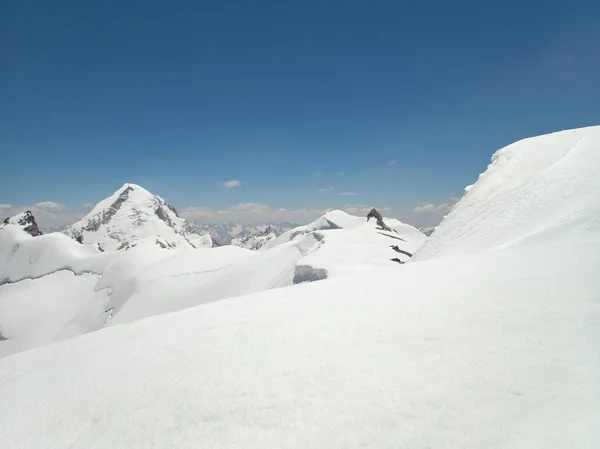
[536, 189]
[132, 213]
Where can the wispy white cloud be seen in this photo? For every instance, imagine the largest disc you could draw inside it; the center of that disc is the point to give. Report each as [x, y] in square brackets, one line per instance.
[317, 174]
[326, 189]
[5, 206]
[391, 163]
[436, 210]
[347, 194]
[232, 184]
[46, 213]
[88, 205]
[50, 205]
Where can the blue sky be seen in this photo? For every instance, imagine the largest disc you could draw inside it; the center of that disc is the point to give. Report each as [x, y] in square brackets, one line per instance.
[287, 97]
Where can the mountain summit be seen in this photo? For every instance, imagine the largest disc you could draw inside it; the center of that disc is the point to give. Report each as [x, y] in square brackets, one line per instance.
[132, 213]
[27, 221]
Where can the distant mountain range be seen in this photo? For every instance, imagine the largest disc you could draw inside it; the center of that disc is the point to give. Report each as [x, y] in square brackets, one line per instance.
[245, 236]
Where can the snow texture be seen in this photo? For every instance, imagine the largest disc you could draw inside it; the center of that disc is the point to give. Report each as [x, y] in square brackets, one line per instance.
[488, 338]
[537, 189]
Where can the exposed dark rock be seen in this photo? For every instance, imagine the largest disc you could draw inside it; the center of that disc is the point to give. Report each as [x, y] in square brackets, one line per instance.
[375, 214]
[95, 224]
[398, 250]
[27, 220]
[306, 273]
[79, 238]
[160, 213]
[172, 209]
[2, 337]
[395, 259]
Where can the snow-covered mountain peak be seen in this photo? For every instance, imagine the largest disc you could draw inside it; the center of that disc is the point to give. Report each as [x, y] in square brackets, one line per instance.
[25, 220]
[132, 213]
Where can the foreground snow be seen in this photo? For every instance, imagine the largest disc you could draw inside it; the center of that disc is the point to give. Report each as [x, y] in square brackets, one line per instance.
[499, 351]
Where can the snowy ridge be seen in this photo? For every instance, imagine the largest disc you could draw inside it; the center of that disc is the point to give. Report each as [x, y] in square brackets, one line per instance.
[538, 188]
[133, 213]
[26, 257]
[151, 276]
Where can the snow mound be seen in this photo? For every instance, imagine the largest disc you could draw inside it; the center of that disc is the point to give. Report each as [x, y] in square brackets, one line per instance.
[25, 257]
[335, 219]
[133, 213]
[541, 188]
[36, 312]
[388, 359]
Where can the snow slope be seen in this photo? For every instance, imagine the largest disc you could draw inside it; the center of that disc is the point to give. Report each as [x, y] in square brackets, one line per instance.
[150, 276]
[489, 341]
[133, 213]
[145, 281]
[35, 312]
[23, 256]
[539, 188]
[499, 351]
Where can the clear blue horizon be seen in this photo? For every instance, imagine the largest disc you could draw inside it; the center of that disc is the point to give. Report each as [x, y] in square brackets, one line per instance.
[304, 103]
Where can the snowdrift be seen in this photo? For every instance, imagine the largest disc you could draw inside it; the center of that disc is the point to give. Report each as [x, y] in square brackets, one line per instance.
[25, 257]
[535, 190]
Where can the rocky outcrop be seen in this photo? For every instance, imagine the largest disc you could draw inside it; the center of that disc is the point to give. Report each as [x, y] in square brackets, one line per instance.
[27, 221]
[306, 273]
[94, 225]
[133, 213]
[401, 251]
[375, 214]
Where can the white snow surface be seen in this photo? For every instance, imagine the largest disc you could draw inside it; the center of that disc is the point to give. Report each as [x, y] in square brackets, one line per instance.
[136, 217]
[500, 351]
[23, 256]
[487, 339]
[14, 220]
[35, 312]
[151, 277]
[536, 189]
